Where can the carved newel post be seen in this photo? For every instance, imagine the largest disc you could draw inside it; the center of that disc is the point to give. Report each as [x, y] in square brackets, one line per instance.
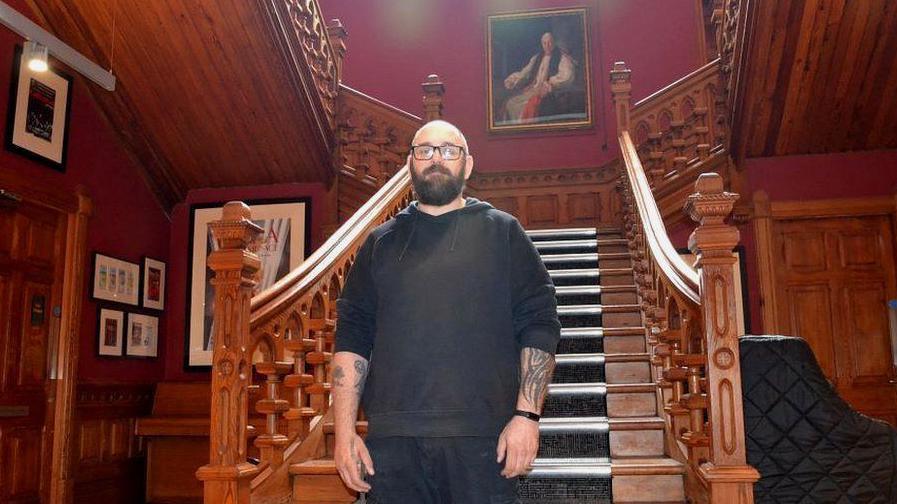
[227, 476]
[434, 89]
[730, 478]
[621, 89]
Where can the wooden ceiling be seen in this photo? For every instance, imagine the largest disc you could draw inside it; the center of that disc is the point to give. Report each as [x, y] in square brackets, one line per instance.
[205, 97]
[818, 76]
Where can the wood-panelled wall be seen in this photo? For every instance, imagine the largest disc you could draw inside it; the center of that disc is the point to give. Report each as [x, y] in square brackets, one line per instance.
[584, 197]
[109, 459]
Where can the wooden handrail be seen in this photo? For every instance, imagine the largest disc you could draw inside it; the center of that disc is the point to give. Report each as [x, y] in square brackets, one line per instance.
[690, 317]
[669, 262]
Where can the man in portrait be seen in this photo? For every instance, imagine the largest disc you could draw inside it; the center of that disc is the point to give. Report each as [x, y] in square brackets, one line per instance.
[539, 82]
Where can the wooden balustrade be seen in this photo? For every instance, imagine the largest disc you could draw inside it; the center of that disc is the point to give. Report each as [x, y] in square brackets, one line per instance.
[689, 314]
[678, 128]
[289, 328]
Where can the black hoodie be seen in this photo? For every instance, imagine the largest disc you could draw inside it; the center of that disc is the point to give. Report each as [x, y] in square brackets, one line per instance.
[442, 306]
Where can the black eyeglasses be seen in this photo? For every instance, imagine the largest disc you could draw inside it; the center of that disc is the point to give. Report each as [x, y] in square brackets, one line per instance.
[448, 152]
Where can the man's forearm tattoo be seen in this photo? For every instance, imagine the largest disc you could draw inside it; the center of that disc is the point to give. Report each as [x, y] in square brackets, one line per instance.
[361, 375]
[537, 368]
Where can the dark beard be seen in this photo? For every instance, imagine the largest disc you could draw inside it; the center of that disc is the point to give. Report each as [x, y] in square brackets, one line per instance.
[437, 190]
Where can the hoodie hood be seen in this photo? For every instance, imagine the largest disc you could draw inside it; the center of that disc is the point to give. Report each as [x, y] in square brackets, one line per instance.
[412, 214]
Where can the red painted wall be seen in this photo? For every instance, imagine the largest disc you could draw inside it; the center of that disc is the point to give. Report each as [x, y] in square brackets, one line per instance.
[394, 44]
[127, 221]
[179, 251]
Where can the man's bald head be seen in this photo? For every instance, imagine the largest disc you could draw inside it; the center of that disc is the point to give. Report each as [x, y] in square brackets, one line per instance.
[442, 130]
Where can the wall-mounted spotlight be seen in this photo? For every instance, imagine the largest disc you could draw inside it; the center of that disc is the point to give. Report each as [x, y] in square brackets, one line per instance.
[36, 56]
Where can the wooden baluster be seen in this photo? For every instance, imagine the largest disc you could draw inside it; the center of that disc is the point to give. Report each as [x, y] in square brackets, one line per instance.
[338, 35]
[319, 359]
[434, 90]
[271, 444]
[300, 414]
[656, 168]
[703, 133]
[227, 475]
[679, 157]
[730, 478]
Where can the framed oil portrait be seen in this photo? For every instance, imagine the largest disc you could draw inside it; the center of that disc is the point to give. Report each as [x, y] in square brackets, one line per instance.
[142, 335]
[115, 280]
[283, 247]
[38, 116]
[152, 284]
[538, 71]
[110, 332]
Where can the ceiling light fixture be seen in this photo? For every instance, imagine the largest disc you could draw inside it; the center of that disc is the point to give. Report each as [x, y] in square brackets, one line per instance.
[36, 55]
[33, 33]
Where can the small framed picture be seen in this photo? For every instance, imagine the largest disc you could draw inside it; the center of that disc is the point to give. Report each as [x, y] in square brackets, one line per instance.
[142, 336]
[115, 280]
[110, 332]
[38, 118]
[153, 284]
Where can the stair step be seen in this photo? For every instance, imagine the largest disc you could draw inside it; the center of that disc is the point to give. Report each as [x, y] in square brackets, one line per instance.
[573, 437]
[575, 400]
[568, 261]
[597, 467]
[631, 399]
[567, 233]
[581, 340]
[647, 479]
[314, 467]
[578, 290]
[563, 481]
[579, 368]
[579, 276]
[625, 466]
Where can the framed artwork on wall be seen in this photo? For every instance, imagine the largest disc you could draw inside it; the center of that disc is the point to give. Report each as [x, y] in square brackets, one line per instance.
[115, 280]
[38, 117]
[538, 71]
[142, 335]
[110, 332]
[152, 284]
[283, 246]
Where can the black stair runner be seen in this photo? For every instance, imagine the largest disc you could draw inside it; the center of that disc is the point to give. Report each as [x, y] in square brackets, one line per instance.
[573, 465]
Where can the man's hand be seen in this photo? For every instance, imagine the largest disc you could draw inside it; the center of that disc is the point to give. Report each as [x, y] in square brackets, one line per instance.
[350, 456]
[517, 446]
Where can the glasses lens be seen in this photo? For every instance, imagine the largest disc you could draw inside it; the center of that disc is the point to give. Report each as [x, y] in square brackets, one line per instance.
[423, 152]
[450, 152]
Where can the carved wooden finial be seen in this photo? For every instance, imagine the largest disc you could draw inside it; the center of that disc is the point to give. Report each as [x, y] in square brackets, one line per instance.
[434, 90]
[621, 88]
[710, 203]
[338, 35]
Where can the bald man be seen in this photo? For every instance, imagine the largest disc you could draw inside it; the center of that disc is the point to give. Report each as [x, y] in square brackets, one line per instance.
[446, 333]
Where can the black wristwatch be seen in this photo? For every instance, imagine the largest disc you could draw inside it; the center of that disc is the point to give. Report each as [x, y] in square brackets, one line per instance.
[527, 414]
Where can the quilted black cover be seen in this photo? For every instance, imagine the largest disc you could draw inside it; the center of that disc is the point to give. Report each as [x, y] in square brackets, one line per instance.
[808, 444]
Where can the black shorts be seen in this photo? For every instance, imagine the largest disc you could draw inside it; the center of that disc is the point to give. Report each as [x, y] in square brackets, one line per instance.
[446, 470]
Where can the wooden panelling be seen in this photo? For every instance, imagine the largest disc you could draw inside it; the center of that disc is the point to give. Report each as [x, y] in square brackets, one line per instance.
[552, 198]
[208, 93]
[817, 76]
[833, 277]
[109, 463]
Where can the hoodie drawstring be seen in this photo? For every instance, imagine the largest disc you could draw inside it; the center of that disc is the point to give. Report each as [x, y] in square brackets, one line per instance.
[410, 235]
[455, 234]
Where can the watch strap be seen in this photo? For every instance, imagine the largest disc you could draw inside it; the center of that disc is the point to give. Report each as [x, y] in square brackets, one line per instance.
[528, 414]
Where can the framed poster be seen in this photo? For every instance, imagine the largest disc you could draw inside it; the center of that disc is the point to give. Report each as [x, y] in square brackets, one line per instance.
[115, 280]
[152, 284]
[110, 331]
[38, 117]
[284, 245]
[537, 67]
[142, 335]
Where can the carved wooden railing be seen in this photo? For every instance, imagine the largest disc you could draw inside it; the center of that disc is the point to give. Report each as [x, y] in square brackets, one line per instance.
[679, 133]
[691, 320]
[373, 139]
[286, 333]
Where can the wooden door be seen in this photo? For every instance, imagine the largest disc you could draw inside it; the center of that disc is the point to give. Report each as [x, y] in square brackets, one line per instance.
[833, 279]
[30, 240]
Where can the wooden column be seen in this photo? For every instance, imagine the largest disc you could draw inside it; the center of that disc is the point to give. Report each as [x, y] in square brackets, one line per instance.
[621, 88]
[763, 223]
[434, 90]
[730, 480]
[227, 476]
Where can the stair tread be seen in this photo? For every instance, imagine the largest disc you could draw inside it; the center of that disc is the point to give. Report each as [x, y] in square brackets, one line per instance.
[621, 466]
[631, 388]
[316, 467]
[636, 423]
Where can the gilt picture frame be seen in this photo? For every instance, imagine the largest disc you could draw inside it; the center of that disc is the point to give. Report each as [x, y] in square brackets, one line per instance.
[284, 245]
[538, 67]
[38, 114]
